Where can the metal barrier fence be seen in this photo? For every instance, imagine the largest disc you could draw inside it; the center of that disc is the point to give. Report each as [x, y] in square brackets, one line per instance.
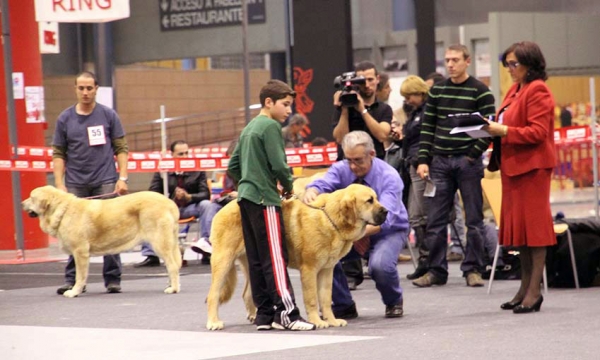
[196, 129]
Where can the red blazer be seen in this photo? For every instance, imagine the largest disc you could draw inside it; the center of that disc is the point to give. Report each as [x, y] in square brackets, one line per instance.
[529, 144]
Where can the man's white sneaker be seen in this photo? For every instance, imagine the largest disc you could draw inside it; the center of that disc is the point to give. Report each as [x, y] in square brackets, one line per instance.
[202, 246]
[298, 325]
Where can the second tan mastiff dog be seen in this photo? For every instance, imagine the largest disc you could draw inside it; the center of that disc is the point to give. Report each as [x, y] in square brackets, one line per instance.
[87, 228]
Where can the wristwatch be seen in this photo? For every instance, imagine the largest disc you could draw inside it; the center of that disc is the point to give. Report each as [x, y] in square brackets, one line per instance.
[126, 180]
[365, 111]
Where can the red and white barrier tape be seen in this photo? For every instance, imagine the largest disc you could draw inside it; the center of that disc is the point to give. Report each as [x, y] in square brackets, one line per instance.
[149, 164]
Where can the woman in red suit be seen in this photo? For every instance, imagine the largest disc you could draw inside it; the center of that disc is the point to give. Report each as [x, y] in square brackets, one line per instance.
[524, 152]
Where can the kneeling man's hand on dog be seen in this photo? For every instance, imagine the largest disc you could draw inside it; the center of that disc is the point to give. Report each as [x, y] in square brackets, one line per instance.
[310, 195]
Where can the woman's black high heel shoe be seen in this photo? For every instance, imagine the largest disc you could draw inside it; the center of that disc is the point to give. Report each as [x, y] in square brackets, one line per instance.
[510, 305]
[527, 309]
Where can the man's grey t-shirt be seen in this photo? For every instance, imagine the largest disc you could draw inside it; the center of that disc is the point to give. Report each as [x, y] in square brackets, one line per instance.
[88, 140]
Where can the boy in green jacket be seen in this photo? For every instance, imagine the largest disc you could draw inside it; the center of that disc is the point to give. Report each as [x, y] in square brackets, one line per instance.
[257, 164]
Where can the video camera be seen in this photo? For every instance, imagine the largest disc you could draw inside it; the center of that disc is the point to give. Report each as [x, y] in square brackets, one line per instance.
[348, 81]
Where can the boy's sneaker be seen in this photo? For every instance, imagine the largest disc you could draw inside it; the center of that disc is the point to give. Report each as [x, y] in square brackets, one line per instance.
[202, 246]
[298, 325]
[264, 327]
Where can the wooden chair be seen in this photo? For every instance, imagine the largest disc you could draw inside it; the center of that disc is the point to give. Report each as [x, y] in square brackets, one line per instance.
[492, 190]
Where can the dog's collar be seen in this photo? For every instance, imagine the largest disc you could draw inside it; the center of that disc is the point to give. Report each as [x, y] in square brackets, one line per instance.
[322, 208]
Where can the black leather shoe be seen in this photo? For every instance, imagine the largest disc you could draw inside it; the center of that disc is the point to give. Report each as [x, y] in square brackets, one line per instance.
[346, 314]
[394, 311]
[61, 290]
[149, 262]
[520, 309]
[510, 305]
[419, 271]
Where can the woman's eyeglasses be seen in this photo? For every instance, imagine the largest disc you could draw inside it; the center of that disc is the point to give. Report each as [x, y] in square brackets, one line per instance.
[512, 65]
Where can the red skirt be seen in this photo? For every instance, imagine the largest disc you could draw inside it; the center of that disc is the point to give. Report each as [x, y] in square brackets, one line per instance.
[526, 217]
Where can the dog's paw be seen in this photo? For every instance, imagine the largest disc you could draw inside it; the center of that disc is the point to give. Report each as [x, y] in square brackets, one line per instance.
[214, 325]
[171, 290]
[320, 324]
[251, 317]
[337, 322]
[71, 293]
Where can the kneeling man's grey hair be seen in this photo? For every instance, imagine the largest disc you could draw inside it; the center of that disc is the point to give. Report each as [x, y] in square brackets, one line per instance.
[356, 138]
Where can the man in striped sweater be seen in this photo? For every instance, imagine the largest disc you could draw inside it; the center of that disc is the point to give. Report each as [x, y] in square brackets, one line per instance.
[453, 162]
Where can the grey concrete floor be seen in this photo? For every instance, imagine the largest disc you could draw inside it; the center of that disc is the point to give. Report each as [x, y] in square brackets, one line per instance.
[448, 322]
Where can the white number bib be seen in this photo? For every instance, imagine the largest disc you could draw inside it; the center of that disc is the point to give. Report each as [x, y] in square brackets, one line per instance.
[96, 135]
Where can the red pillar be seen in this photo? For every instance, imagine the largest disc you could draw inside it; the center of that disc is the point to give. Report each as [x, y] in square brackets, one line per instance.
[27, 60]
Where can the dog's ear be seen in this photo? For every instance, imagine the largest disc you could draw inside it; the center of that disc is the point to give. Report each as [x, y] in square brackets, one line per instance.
[349, 208]
[43, 204]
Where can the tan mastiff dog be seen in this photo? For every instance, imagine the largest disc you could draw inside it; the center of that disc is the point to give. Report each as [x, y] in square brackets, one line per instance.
[318, 236]
[87, 228]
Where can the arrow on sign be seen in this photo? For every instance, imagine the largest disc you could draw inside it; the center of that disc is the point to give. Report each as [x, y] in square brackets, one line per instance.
[165, 21]
[164, 4]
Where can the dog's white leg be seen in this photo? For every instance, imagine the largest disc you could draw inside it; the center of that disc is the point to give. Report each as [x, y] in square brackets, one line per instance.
[309, 293]
[222, 285]
[166, 246]
[247, 294]
[164, 241]
[173, 264]
[82, 263]
[324, 287]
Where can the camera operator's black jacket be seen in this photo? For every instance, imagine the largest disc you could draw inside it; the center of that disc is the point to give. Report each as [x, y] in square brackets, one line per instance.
[379, 111]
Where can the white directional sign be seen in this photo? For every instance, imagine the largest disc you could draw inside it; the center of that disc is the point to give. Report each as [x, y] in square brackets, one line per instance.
[194, 14]
[81, 11]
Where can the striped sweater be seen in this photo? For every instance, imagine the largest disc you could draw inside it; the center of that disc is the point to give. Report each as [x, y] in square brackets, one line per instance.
[448, 98]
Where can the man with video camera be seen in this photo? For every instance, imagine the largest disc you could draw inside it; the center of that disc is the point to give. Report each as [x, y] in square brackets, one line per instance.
[362, 111]
[357, 108]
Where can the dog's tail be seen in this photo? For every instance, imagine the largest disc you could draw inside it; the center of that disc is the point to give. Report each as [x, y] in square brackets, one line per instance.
[228, 285]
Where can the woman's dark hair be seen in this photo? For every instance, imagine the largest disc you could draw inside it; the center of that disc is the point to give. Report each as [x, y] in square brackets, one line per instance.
[528, 54]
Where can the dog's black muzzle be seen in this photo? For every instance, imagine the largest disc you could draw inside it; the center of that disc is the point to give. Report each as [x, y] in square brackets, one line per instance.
[380, 216]
[32, 214]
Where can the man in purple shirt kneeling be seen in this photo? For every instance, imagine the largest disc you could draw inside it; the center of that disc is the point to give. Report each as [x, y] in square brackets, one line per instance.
[387, 240]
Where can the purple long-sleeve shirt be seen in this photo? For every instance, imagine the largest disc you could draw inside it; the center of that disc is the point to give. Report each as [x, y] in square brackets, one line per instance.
[382, 178]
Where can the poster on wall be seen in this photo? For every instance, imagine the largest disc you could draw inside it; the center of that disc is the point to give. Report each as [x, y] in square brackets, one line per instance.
[395, 61]
[49, 39]
[18, 86]
[34, 104]
[483, 66]
[396, 100]
[105, 96]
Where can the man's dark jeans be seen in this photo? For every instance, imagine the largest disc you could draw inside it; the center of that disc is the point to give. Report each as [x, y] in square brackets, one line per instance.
[449, 174]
